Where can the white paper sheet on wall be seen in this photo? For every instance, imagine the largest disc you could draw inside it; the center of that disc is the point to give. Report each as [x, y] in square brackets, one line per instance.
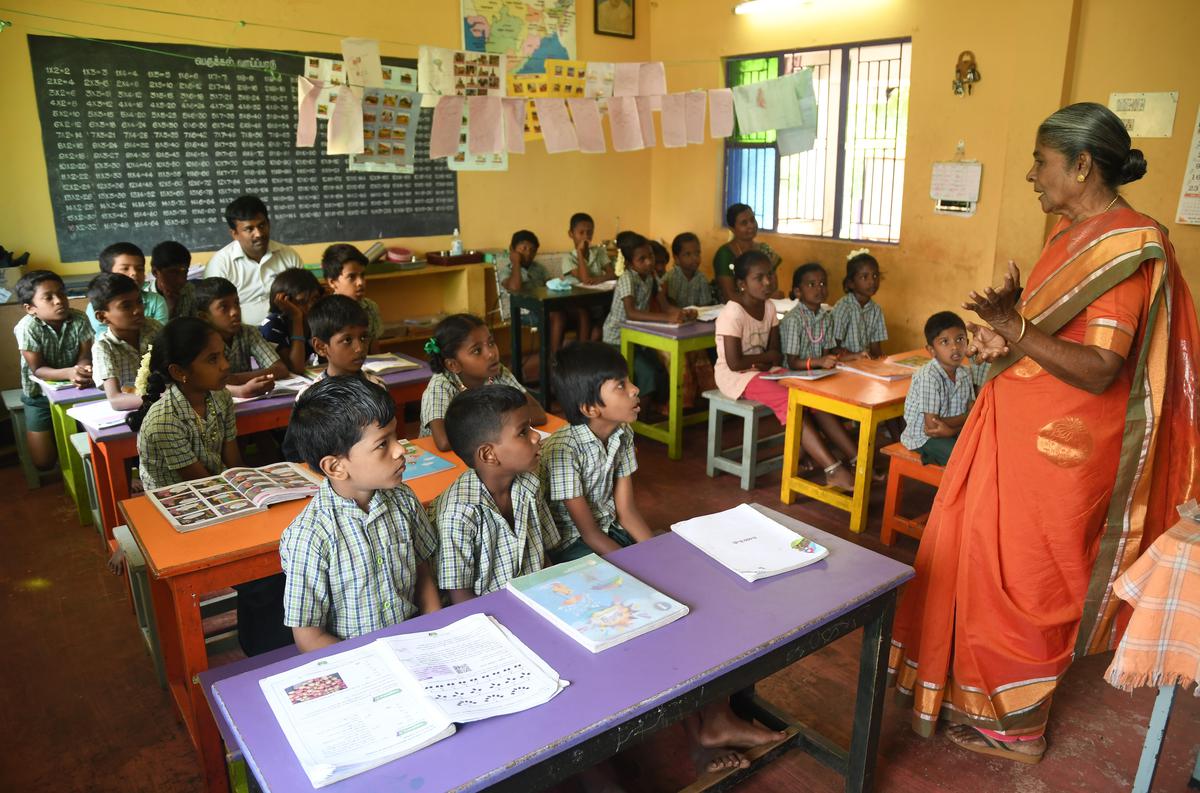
[1189, 193]
[956, 181]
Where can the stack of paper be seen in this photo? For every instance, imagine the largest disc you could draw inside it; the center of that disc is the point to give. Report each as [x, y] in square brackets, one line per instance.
[706, 313]
[51, 385]
[799, 374]
[595, 603]
[97, 415]
[877, 369]
[749, 543]
[350, 712]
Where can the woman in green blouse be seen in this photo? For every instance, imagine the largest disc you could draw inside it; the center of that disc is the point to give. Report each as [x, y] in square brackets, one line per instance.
[741, 221]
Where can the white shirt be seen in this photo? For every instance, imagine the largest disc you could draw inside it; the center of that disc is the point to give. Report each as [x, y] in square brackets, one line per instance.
[252, 279]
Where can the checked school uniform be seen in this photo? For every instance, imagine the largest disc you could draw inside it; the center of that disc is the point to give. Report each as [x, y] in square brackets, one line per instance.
[112, 357]
[173, 436]
[352, 572]
[374, 319]
[856, 327]
[248, 343]
[683, 291]
[932, 391]
[576, 463]
[478, 549]
[805, 332]
[629, 284]
[444, 386]
[59, 349]
[154, 306]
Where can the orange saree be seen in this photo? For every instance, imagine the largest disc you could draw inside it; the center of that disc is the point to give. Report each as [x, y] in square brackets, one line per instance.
[1052, 492]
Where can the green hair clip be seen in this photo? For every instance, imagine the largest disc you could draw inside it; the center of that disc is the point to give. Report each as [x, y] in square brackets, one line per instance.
[432, 347]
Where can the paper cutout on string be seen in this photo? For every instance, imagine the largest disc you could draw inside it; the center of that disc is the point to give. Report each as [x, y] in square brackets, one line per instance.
[485, 127]
[514, 125]
[447, 120]
[307, 92]
[345, 134]
[674, 121]
[446, 72]
[623, 124]
[557, 129]
[720, 112]
[694, 104]
[645, 106]
[585, 114]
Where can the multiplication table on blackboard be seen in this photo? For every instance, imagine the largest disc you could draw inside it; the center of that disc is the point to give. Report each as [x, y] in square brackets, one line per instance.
[149, 142]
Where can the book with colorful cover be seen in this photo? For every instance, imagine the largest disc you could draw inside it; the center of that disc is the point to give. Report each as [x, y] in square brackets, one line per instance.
[51, 385]
[419, 462]
[799, 374]
[233, 493]
[595, 603]
[879, 370]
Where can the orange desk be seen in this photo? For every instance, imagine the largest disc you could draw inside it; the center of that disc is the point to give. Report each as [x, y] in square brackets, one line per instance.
[185, 566]
[849, 395]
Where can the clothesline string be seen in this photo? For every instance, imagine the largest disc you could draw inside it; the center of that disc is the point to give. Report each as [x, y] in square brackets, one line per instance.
[244, 24]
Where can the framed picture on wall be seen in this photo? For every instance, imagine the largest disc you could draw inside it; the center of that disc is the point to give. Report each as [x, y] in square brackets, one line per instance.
[614, 18]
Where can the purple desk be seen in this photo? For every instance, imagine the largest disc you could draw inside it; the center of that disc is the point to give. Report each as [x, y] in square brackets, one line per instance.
[736, 634]
[676, 341]
[68, 461]
[114, 447]
[234, 763]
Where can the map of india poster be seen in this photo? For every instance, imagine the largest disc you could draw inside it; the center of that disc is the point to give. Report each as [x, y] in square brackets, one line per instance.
[527, 31]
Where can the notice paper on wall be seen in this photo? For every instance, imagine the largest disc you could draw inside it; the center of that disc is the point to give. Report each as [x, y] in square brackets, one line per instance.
[720, 112]
[956, 181]
[1189, 193]
[1146, 114]
[623, 124]
[446, 72]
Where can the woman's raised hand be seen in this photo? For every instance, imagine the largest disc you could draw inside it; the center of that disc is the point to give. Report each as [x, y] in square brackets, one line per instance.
[998, 307]
[986, 344]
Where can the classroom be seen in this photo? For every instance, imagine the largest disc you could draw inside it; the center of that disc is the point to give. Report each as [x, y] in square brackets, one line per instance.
[1031, 167]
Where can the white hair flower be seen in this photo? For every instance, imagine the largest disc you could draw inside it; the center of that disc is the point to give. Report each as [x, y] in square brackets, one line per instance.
[619, 264]
[857, 252]
[143, 375]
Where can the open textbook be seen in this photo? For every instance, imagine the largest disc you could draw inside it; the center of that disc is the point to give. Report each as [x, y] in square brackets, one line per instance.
[233, 493]
[387, 362]
[595, 603]
[288, 385]
[97, 415]
[355, 710]
[800, 374]
[749, 543]
[877, 369]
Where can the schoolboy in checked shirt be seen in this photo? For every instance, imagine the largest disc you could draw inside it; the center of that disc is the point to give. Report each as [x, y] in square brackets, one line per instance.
[493, 523]
[359, 557]
[942, 392]
[587, 466]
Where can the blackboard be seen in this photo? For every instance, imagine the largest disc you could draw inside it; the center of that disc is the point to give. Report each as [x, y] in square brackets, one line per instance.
[145, 146]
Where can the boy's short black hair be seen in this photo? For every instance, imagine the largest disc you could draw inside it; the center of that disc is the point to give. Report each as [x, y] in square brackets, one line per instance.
[336, 256]
[245, 207]
[580, 217]
[210, 289]
[331, 416]
[169, 254]
[332, 313]
[108, 256]
[579, 372]
[941, 321]
[27, 286]
[475, 417]
[682, 239]
[106, 286]
[294, 282]
[524, 235]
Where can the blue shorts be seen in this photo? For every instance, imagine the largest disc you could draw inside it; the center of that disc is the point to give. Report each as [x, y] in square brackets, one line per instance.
[37, 413]
[580, 549]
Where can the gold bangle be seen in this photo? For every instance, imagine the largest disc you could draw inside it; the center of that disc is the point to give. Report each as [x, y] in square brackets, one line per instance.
[1023, 329]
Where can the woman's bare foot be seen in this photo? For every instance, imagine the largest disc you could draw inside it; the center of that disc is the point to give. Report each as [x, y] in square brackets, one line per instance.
[720, 727]
[971, 739]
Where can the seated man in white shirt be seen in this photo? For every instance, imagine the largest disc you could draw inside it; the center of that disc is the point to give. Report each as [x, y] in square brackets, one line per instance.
[252, 260]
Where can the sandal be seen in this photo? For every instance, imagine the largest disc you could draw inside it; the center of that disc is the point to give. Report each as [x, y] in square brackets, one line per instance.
[994, 748]
[829, 471]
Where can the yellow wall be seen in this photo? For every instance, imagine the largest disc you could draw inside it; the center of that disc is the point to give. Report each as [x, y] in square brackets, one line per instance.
[1034, 55]
[1031, 62]
[539, 192]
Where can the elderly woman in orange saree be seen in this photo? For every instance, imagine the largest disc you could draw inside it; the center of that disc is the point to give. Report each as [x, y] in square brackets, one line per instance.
[1080, 445]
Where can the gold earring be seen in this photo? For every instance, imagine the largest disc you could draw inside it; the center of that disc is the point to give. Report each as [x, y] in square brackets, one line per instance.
[1081, 177]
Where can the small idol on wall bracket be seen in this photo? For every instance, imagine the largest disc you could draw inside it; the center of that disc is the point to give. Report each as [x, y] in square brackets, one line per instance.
[614, 18]
[966, 73]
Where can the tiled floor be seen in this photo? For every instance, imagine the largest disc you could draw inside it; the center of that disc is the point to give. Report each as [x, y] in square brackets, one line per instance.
[81, 710]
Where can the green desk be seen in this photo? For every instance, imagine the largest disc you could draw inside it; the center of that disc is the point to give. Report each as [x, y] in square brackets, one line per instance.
[69, 462]
[677, 341]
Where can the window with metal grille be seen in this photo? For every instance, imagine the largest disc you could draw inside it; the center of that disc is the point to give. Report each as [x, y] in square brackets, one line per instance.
[850, 184]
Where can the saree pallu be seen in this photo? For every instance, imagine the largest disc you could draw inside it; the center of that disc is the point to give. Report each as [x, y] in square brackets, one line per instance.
[1052, 492]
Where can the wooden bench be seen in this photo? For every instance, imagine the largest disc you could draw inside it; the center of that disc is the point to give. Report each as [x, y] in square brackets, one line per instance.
[905, 464]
